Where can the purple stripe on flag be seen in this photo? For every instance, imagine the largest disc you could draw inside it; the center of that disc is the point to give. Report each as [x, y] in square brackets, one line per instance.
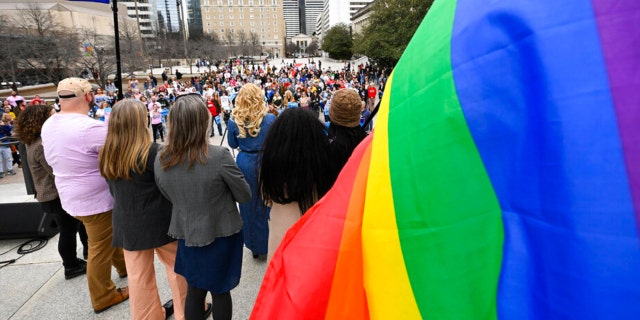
[622, 58]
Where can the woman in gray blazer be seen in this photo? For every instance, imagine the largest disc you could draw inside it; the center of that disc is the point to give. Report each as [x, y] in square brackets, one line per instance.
[203, 183]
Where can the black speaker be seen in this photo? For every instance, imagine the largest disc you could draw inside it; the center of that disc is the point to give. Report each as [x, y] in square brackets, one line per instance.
[25, 220]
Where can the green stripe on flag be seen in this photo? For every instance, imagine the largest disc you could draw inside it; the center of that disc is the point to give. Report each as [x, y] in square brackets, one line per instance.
[448, 216]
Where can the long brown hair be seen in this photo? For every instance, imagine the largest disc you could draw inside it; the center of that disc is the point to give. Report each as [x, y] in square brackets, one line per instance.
[126, 148]
[189, 123]
[29, 125]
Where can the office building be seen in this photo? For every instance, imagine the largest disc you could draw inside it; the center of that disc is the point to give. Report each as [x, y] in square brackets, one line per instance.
[243, 21]
[312, 9]
[146, 16]
[291, 14]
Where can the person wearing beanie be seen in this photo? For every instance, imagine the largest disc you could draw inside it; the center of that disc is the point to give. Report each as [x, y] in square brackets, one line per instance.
[345, 132]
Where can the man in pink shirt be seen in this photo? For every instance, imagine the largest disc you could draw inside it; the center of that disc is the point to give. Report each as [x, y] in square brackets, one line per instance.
[71, 142]
[14, 98]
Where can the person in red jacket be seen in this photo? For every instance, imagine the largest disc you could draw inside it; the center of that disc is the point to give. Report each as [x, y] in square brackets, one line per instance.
[371, 97]
[214, 108]
[36, 100]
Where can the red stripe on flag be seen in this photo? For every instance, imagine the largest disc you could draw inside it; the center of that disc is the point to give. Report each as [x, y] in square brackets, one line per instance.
[298, 281]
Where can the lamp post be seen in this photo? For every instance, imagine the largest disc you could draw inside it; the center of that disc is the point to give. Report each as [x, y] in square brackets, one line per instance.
[184, 33]
[118, 79]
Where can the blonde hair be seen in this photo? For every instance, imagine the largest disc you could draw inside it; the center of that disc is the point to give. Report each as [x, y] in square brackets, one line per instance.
[249, 110]
[288, 97]
[188, 125]
[126, 148]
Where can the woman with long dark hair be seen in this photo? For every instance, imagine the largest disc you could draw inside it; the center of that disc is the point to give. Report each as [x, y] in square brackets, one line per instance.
[203, 183]
[295, 170]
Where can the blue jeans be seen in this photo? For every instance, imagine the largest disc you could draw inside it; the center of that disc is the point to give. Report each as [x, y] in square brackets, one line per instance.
[6, 159]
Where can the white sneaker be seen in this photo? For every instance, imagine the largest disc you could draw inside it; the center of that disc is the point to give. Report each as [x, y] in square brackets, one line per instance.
[11, 173]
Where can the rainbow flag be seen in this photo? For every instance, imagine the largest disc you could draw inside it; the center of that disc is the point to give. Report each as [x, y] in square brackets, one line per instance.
[502, 179]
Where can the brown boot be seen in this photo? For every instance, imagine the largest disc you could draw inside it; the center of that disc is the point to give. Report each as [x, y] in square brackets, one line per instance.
[121, 295]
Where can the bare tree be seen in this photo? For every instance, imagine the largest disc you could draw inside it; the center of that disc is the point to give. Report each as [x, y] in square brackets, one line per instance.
[130, 46]
[229, 41]
[47, 49]
[99, 55]
[8, 54]
[292, 48]
[254, 40]
[243, 41]
[208, 46]
[312, 49]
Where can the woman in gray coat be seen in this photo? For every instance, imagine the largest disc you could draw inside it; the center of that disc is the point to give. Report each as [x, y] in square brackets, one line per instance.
[203, 183]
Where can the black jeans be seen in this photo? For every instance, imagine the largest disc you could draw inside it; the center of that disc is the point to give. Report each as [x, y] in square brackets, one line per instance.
[69, 226]
[157, 129]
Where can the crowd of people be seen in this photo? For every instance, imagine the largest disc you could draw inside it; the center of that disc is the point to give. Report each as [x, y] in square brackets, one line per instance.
[187, 201]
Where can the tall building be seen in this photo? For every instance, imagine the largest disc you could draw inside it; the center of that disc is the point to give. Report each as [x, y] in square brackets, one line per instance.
[356, 5]
[312, 9]
[168, 20]
[194, 17]
[146, 15]
[301, 15]
[242, 20]
[338, 11]
[291, 14]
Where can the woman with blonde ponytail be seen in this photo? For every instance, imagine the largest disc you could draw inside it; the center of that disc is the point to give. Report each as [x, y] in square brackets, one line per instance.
[248, 127]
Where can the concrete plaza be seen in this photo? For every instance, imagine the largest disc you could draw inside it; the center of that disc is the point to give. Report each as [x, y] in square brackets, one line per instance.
[34, 287]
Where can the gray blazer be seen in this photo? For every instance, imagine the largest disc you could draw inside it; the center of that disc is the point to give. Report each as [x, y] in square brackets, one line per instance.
[204, 197]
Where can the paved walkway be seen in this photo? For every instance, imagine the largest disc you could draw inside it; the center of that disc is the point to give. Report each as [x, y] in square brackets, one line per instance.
[34, 286]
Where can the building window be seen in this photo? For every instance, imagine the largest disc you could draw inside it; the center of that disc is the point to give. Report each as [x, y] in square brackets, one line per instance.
[231, 23]
[221, 17]
[251, 17]
[230, 17]
[221, 24]
[253, 30]
[232, 30]
[239, 2]
[230, 2]
[250, 9]
[230, 9]
[250, 2]
[221, 30]
[241, 17]
[253, 24]
[208, 17]
[219, 2]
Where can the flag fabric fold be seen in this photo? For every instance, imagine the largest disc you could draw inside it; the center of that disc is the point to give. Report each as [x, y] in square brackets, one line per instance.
[502, 179]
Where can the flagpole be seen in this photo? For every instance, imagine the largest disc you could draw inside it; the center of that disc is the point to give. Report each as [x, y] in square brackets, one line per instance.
[118, 79]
